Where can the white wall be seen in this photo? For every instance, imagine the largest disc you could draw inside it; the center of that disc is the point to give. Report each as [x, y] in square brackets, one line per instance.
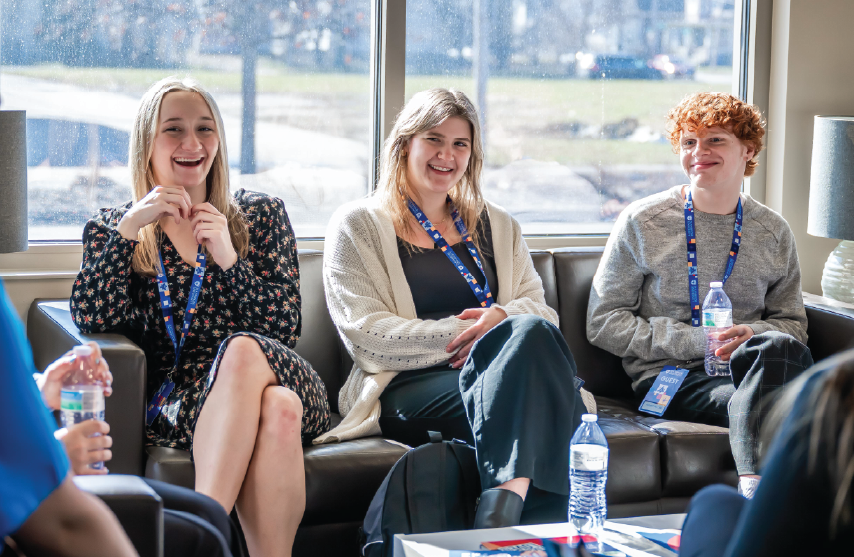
[811, 72]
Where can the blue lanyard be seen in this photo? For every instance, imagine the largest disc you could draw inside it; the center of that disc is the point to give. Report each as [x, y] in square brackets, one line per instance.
[483, 295]
[192, 301]
[159, 398]
[691, 236]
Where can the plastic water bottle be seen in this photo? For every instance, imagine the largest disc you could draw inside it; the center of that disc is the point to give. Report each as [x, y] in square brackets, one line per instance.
[588, 473]
[717, 318]
[82, 394]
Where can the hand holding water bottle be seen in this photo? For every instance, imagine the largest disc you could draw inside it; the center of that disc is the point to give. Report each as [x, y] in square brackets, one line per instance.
[76, 385]
[722, 338]
[50, 382]
[87, 443]
[734, 337]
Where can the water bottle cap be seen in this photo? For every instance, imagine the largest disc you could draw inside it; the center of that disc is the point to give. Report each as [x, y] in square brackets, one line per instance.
[589, 417]
[82, 350]
[716, 284]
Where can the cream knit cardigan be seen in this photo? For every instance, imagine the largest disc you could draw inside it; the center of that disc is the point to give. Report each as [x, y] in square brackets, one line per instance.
[371, 305]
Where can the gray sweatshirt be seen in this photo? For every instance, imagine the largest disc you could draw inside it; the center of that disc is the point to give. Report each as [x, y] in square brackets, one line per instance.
[639, 301]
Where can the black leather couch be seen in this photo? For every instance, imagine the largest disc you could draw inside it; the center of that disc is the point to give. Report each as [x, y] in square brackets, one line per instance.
[655, 465]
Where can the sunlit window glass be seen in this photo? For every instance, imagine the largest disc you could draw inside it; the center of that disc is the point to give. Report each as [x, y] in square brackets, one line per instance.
[572, 94]
[290, 77]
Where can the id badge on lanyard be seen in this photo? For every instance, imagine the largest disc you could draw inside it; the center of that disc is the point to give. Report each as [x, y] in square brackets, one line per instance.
[159, 399]
[666, 384]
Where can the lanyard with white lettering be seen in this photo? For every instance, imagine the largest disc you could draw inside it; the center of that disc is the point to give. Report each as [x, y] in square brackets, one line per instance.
[690, 234]
[483, 295]
[162, 393]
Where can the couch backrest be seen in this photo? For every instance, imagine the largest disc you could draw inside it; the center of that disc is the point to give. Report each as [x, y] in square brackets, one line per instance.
[602, 372]
[566, 273]
[319, 342]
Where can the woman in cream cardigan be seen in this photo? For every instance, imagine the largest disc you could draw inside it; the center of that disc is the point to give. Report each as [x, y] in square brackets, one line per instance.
[436, 298]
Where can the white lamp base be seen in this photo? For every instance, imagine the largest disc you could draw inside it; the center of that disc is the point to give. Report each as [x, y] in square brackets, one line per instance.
[837, 281]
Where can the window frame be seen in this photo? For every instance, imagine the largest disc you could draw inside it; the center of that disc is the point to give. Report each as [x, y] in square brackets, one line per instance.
[387, 78]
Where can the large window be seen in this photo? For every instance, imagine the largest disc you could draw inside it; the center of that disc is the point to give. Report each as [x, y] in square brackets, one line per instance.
[79, 68]
[572, 95]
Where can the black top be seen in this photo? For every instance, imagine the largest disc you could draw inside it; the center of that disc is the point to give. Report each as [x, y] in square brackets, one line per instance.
[438, 289]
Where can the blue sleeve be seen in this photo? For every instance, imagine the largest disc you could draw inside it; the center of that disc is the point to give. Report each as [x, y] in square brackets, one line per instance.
[32, 462]
[790, 512]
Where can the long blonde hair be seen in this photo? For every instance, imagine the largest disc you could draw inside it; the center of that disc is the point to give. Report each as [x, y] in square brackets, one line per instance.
[145, 257]
[423, 112]
[828, 429]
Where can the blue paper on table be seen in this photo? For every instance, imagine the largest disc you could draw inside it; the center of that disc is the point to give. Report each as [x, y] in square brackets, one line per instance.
[661, 393]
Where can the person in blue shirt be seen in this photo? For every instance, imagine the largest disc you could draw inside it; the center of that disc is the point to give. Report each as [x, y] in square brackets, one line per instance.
[41, 509]
[193, 524]
[804, 504]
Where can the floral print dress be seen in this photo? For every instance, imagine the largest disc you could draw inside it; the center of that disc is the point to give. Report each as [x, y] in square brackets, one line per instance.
[258, 296]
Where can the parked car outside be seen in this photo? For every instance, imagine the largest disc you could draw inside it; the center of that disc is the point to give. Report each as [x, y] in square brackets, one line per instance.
[614, 66]
[672, 67]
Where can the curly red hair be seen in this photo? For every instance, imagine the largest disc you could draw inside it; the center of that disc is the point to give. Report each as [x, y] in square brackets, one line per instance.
[700, 111]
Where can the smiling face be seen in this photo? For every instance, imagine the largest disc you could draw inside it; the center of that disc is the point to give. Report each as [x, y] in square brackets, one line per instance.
[438, 158]
[186, 141]
[716, 159]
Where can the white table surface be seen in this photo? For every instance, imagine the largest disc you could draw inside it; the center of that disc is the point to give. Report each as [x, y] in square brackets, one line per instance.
[419, 545]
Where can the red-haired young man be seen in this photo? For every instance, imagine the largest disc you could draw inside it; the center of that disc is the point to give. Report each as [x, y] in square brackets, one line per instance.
[644, 308]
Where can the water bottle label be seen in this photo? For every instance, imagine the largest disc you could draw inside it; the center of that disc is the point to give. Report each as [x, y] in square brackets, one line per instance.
[717, 318]
[591, 459]
[82, 401]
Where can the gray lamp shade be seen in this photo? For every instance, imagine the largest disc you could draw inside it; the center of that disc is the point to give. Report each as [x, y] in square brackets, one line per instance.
[13, 181]
[832, 178]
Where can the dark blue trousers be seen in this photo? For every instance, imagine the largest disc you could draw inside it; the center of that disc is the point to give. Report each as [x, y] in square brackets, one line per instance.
[759, 367]
[515, 399]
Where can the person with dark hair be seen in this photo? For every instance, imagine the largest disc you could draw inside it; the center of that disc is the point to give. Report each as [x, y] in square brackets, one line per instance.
[41, 509]
[804, 504]
[645, 302]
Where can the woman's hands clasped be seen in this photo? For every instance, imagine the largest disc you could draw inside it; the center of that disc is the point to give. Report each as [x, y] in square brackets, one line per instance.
[486, 320]
[161, 201]
[210, 228]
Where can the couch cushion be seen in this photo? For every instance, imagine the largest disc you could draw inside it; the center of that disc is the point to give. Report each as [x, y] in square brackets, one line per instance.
[602, 371]
[342, 478]
[319, 342]
[545, 266]
[693, 455]
[634, 465]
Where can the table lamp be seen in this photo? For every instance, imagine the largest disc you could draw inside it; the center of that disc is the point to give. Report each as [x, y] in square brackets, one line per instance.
[13, 181]
[831, 213]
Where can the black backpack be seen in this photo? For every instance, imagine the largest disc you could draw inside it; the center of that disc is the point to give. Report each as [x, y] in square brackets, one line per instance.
[432, 488]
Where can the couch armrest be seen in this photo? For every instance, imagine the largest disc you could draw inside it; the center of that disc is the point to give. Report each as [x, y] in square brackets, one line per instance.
[137, 506]
[52, 333]
[830, 326]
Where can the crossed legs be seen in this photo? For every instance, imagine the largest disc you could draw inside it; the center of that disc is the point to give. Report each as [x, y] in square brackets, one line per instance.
[248, 449]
